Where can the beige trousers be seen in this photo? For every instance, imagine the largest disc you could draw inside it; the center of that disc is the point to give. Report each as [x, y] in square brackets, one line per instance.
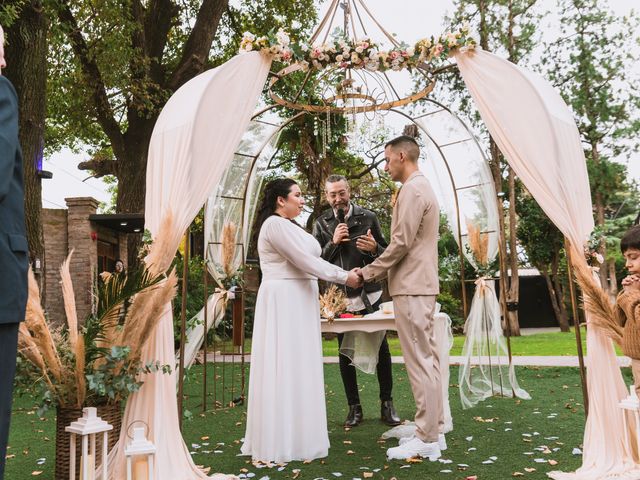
[635, 369]
[415, 326]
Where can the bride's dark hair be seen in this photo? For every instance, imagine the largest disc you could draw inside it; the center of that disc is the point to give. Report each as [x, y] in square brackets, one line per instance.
[280, 187]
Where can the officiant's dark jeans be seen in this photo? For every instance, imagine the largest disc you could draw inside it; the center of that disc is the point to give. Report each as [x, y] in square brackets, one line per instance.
[383, 370]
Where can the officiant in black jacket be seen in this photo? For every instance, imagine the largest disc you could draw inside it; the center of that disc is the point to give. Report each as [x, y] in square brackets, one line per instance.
[13, 249]
[350, 237]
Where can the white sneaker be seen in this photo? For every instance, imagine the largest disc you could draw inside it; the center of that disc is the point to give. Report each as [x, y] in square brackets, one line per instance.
[415, 448]
[442, 441]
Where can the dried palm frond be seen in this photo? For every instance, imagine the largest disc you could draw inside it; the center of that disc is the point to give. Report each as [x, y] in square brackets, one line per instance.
[228, 248]
[478, 244]
[332, 303]
[145, 312]
[163, 248]
[36, 324]
[69, 301]
[81, 387]
[27, 347]
[596, 301]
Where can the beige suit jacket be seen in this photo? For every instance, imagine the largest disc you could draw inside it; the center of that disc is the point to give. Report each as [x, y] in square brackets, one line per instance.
[411, 260]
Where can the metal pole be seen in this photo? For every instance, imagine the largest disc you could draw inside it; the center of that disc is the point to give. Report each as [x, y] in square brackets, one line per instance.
[576, 326]
[204, 342]
[183, 325]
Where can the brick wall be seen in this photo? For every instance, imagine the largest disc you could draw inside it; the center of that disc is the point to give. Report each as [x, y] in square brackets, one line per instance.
[55, 244]
[84, 261]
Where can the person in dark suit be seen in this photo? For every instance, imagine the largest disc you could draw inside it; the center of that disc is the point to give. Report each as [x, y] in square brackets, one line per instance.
[350, 237]
[13, 249]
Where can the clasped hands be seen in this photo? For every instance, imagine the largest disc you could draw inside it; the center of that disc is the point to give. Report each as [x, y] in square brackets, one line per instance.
[631, 282]
[355, 278]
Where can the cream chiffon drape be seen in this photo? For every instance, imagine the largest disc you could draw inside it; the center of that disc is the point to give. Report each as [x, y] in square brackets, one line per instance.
[535, 130]
[192, 144]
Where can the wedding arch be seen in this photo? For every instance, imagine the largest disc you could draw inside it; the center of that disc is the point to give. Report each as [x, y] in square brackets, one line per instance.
[208, 139]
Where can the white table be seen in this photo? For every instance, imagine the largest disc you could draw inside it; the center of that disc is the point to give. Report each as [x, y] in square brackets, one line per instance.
[368, 324]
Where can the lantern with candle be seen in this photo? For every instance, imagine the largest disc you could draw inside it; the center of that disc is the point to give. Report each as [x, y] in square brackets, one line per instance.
[87, 427]
[140, 455]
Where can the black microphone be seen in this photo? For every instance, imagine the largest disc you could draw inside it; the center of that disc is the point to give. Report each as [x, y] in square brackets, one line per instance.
[341, 218]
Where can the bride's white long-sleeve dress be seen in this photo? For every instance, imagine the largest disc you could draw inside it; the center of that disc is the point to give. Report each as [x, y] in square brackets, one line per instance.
[286, 413]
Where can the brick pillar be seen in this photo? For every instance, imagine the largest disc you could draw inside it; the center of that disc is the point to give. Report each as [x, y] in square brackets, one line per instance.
[54, 223]
[85, 251]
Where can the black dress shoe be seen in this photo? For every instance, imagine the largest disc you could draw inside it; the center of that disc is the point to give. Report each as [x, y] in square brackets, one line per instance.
[388, 414]
[354, 417]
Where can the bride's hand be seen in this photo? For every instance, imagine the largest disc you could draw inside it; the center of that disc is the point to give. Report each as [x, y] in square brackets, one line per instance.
[354, 280]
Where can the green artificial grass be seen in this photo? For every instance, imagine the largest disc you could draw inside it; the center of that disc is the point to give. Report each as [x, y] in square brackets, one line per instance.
[539, 344]
[514, 431]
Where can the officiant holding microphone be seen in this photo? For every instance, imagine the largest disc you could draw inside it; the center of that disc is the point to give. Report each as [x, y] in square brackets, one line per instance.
[350, 237]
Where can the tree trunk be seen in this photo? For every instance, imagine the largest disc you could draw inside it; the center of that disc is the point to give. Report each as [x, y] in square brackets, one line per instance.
[613, 281]
[26, 54]
[131, 175]
[514, 329]
[559, 290]
[513, 295]
[560, 318]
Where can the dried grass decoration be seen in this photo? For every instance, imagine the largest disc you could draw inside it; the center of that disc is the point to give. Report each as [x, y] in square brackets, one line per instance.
[99, 361]
[478, 245]
[333, 302]
[228, 248]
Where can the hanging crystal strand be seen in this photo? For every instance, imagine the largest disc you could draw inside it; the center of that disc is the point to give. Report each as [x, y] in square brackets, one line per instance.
[324, 139]
[354, 124]
[328, 125]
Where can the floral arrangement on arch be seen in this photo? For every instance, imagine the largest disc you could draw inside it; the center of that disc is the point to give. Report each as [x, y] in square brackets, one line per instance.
[362, 53]
[592, 248]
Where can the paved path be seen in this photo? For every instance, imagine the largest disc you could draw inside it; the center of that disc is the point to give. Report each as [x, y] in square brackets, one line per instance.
[547, 361]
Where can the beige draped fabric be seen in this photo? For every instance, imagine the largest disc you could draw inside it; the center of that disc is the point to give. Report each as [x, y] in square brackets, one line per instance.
[192, 144]
[537, 134]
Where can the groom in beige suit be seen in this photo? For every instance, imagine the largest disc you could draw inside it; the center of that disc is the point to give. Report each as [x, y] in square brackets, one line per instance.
[411, 264]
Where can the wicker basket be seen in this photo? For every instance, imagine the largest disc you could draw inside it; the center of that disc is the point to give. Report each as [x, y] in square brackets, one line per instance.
[111, 414]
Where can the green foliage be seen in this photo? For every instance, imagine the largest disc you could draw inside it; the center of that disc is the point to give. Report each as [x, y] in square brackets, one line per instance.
[110, 381]
[540, 238]
[195, 292]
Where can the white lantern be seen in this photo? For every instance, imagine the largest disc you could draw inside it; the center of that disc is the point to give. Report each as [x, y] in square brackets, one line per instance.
[87, 427]
[140, 468]
[631, 404]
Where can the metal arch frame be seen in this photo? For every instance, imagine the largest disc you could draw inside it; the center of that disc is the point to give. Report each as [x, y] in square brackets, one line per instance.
[412, 119]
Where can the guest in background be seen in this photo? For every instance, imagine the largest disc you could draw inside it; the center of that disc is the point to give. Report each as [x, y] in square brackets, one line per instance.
[13, 249]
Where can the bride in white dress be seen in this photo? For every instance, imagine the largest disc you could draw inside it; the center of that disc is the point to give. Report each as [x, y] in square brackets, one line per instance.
[286, 413]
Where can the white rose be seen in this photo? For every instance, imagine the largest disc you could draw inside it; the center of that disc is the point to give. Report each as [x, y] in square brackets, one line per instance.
[359, 49]
[411, 51]
[282, 37]
[339, 58]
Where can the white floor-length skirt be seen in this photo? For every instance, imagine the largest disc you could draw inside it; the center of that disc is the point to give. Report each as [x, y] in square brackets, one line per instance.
[286, 413]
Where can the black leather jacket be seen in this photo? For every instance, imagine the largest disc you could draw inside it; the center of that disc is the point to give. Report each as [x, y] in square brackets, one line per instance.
[346, 255]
